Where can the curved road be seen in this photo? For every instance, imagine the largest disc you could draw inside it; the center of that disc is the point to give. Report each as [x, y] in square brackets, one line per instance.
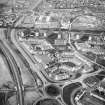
[16, 73]
[34, 65]
[31, 61]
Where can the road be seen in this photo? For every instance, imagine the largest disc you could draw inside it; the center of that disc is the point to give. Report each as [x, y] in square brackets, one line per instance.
[16, 74]
[35, 3]
[34, 65]
[82, 57]
[30, 58]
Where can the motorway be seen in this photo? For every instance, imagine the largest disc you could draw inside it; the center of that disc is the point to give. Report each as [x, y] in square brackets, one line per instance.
[29, 60]
[34, 65]
[16, 74]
